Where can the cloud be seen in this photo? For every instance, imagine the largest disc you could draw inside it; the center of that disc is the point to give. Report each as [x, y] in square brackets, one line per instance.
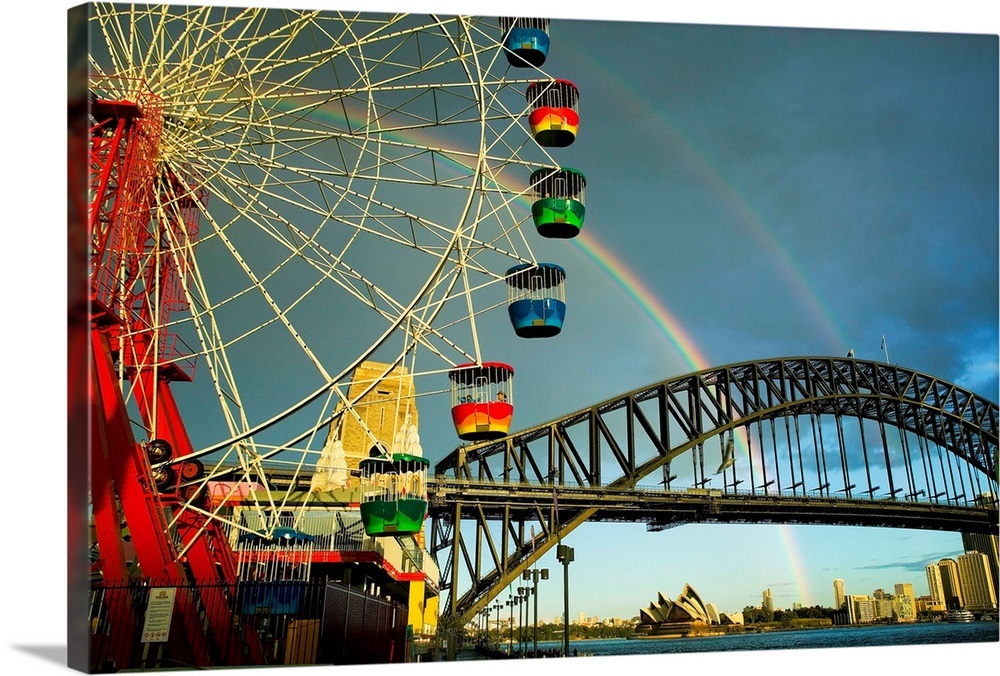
[918, 565]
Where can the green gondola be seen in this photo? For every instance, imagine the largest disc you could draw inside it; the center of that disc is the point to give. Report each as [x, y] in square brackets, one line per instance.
[394, 494]
[558, 208]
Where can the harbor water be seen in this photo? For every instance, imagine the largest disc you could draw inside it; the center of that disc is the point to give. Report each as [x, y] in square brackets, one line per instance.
[925, 633]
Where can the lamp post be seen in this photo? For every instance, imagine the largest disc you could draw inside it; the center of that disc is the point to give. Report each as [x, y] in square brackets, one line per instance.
[520, 621]
[565, 556]
[511, 602]
[498, 606]
[484, 618]
[525, 594]
[527, 616]
[535, 574]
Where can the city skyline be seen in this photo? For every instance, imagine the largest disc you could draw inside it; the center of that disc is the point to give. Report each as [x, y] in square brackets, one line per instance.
[969, 571]
[896, 585]
[811, 573]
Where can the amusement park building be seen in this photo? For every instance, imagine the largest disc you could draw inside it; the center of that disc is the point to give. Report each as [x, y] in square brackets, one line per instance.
[395, 567]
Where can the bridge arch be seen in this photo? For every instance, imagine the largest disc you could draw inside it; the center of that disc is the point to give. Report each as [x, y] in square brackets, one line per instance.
[797, 440]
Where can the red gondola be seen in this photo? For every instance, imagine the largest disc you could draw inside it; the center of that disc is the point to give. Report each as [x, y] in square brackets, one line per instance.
[554, 117]
[482, 400]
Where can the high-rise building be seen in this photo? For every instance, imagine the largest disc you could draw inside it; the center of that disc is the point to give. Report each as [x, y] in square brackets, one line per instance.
[768, 601]
[883, 608]
[951, 584]
[904, 608]
[936, 588]
[984, 544]
[904, 602]
[977, 582]
[838, 594]
[861, 609]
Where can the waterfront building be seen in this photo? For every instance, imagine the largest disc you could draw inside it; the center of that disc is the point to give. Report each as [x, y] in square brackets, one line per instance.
[904, 588]
[838, 594]
[951, 584]
[904, 608]
[883, 608]
[977, 582]
[936, 587]
[860, 609]
[731, 618]
[686, 615]
[984, 544]
[768, 601]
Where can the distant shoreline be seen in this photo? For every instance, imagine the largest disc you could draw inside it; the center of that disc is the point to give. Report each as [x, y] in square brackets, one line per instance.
[765, 629]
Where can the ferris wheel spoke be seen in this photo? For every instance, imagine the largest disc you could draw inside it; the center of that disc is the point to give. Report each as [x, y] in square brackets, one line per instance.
[316, 147]
[212, 343]
[370, 295]
[257, 208]
[370, 215]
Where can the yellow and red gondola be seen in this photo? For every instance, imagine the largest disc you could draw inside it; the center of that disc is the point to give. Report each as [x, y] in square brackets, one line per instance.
[482, 400]
[554, 114]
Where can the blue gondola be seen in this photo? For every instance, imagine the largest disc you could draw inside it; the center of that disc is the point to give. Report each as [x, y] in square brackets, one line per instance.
[525, 40]
[536, 298]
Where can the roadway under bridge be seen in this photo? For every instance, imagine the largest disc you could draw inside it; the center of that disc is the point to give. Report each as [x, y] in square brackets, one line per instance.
[793, 440]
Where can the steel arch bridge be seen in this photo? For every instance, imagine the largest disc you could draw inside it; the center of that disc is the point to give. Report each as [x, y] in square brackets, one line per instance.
[809, 440]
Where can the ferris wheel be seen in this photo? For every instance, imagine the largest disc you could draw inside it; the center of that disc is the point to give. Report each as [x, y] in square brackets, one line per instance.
[300, 193]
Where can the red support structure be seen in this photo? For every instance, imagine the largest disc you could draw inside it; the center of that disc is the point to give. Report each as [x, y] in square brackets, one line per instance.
[138, 216]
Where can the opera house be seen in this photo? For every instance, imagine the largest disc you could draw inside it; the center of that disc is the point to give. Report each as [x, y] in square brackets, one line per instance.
[687, 615]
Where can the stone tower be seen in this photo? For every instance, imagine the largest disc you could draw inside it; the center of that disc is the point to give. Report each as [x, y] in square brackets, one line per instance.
[383, 411]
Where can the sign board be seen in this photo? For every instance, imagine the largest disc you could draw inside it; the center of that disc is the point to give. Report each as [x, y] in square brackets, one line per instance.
[232, 492]
[159, 611]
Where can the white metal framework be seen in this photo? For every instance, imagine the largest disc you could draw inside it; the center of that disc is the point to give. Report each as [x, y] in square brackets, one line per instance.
[356, 180]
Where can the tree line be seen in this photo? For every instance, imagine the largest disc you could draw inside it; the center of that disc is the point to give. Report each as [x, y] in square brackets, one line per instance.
[754, 615]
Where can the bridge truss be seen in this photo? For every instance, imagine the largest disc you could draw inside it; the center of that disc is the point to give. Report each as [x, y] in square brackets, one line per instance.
[794, 440]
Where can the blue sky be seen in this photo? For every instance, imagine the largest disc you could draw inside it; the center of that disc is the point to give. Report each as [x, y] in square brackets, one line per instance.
[781, 191]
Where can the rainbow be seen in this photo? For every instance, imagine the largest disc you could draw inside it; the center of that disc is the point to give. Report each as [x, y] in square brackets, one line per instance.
[786, 535]
[754, 224]
[631, 284]
[640, 294]
[645, 113]
[646, 300]
[657, 312]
